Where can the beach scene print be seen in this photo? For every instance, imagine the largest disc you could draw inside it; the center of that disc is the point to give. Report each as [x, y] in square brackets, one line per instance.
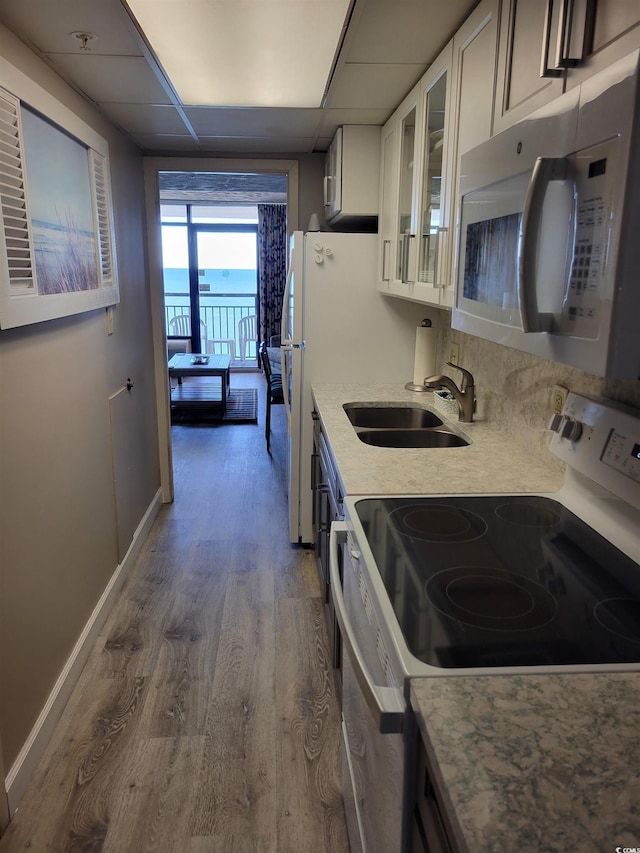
[60, 208]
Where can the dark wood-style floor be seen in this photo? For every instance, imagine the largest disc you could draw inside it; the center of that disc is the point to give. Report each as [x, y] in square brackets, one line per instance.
[206, 718]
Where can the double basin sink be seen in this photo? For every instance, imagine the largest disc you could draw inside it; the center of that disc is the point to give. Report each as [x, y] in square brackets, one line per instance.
[400, 426]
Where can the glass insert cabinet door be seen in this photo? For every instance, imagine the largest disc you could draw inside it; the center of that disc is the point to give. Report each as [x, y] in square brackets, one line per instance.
[406, 207]
[433, 229]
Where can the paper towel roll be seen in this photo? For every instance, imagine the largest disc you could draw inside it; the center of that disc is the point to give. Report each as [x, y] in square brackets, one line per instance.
[424, 363]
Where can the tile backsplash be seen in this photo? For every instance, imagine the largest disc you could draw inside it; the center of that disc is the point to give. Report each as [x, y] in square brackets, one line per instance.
[514, 388]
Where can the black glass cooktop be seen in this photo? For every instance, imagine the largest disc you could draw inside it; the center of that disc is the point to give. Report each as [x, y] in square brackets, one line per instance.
[503, 581]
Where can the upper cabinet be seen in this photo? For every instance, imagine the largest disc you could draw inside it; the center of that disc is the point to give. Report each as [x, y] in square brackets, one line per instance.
[352, 160]
[548, 46]
[398, 182]
[472, 96]
[434, 225]
[388, 203]
[409, 132]
[447, 112]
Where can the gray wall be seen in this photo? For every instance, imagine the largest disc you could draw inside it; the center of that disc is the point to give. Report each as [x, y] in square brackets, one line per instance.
[58, 530]
[59, 533]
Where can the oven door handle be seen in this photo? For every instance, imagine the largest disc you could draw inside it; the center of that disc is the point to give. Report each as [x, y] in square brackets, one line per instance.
[385, 703]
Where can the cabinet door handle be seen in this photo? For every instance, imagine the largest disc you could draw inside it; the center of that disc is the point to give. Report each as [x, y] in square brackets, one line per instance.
[406, 249]
[575, 32]
[440, 232]
[545, 69]
[385, 260]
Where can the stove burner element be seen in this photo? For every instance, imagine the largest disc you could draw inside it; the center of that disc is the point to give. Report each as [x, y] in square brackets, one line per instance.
[437, 523]
[620, 616]
[528, 514]
[490, 598]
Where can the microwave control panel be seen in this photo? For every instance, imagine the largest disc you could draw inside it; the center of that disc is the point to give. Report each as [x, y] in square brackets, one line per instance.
[582, 305]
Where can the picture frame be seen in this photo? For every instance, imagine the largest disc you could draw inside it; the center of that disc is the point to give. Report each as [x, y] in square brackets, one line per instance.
[57, 247]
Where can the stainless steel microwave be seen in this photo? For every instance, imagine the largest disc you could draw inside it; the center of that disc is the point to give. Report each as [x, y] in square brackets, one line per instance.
[548, 256]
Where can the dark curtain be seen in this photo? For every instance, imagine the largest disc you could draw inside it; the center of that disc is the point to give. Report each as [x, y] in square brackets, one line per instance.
[272, 266]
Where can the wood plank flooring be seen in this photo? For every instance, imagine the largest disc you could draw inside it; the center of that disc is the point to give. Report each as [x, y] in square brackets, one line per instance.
[206, 719]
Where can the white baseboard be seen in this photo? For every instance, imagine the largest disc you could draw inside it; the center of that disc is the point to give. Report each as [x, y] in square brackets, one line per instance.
[32, 751]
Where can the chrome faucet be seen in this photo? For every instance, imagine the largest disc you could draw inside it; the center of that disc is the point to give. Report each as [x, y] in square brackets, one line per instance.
[464, 394]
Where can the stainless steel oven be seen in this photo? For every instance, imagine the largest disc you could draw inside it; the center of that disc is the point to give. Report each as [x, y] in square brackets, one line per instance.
[446, 585]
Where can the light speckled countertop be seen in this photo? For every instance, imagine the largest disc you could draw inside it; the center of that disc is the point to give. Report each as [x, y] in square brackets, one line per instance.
[535, 763]
[491, 463]
[526, 763]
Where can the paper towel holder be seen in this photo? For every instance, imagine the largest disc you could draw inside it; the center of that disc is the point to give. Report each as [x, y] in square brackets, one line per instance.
[411, 386]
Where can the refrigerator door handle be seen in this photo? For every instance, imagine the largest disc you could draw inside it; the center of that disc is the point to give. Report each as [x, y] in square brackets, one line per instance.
[284, 317]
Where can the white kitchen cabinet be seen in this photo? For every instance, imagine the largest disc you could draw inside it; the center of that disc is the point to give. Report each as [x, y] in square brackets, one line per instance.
[400, 174]
[472, 101]
[351, 174]
[435, 227]
[388, 202]
[449, 111]
[409, 127]
[415, 199]
[548, 47]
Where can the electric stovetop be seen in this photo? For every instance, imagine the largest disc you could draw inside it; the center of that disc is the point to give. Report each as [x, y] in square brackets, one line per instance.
[503, 581]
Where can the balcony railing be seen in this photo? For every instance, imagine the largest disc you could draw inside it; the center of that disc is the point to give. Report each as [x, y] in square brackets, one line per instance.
[220, 314]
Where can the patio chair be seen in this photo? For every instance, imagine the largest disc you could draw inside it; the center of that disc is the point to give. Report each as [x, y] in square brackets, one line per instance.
[180, 327]
[275, 393]
[247, 333]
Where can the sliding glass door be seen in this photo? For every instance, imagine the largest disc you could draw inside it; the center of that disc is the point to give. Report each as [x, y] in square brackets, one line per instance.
[210, 281]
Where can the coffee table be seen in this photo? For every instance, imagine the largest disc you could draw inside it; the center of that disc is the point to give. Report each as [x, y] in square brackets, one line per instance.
[192, 364]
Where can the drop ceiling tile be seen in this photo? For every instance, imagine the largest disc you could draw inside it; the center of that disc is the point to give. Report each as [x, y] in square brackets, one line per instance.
[255, 145]
[216, 121]
[411, 31]
[145, 118]
[366, 86]
[47, 24]
[166, 142]
[323, 143]
[109, 79]
[332, 119]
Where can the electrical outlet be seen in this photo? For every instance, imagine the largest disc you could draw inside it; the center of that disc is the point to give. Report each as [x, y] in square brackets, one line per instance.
[558, 397]
[454, 353]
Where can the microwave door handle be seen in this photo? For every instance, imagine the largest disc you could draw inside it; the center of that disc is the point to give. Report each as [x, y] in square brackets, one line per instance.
[546, 169]
[384, 702]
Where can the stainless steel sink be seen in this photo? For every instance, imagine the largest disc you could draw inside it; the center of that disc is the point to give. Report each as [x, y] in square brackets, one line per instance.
[390, 417]
[411, 438]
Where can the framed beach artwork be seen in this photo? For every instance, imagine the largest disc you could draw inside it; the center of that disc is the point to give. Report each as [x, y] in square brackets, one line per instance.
[57, 252]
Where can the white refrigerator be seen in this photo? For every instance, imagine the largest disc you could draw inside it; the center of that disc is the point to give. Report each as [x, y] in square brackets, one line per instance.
[336, 328]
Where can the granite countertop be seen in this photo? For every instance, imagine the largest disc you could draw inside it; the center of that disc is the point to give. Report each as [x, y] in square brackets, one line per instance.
[535, 763]
[492, 462]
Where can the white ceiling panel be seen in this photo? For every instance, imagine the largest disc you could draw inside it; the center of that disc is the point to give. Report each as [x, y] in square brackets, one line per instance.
[255, 145]
[146, 118]
[221, 121]
[333, 118]
[411, 31]
[117, 79]
[167, 143]
[48, 25]
[373, 86]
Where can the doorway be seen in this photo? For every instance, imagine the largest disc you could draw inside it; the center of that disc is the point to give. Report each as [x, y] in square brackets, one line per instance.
[243, 174]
